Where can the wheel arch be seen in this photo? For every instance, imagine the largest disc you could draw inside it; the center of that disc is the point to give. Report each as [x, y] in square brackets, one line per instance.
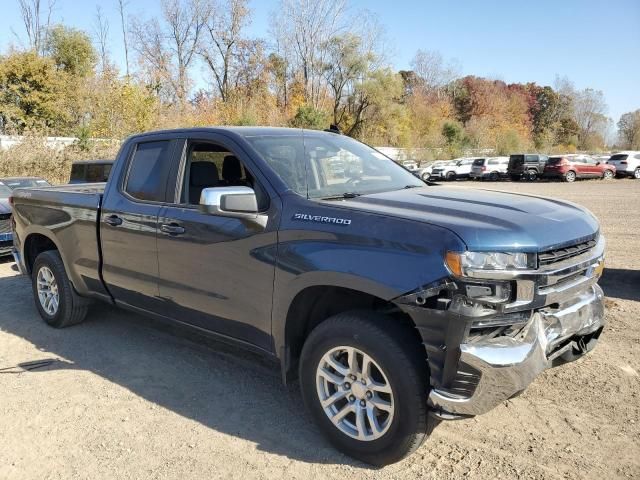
[34, 244]
[312, 304]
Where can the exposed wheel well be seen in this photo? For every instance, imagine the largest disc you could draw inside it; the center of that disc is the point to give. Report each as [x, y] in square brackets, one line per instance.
[34, 245]
[313, 305]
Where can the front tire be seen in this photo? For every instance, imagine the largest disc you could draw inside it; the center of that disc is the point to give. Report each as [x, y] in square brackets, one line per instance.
[56, 300]
[608, 175]
[636, 173]
[494, 176]
[451, 176]
[364, 379]
[532, 175]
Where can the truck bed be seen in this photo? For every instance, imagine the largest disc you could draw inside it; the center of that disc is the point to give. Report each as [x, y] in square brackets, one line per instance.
[69, 215]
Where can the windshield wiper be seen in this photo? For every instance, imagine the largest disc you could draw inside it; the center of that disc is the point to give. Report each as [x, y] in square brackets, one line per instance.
[342, 195]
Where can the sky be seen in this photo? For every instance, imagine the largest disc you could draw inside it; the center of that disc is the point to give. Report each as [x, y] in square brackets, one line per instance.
[596, 44]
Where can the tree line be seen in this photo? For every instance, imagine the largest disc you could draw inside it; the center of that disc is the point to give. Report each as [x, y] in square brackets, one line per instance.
[321, 63]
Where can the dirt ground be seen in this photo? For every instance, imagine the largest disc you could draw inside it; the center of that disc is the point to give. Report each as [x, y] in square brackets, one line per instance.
[120, 397]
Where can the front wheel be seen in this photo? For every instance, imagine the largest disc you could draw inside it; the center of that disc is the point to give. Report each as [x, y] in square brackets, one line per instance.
[532, 175]
[451, 176]
[636, 174]
[608, 175]
[494, 176]
[364, 379]
[56, 300]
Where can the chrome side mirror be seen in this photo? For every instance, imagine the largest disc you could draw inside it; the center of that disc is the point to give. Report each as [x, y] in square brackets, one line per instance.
[236, 202]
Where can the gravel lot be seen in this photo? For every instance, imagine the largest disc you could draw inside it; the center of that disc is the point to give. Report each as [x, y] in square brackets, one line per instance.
[121, 397]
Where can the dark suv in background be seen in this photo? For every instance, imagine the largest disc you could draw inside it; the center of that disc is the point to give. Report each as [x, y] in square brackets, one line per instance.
[529, 166]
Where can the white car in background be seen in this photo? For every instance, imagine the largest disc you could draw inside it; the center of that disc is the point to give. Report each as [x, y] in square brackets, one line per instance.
[627, 163]
[425, 172]
[490, 168]
[456, 169]
[410, 165]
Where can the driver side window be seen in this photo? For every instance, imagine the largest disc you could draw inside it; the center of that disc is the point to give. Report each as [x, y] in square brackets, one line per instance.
[209, 165]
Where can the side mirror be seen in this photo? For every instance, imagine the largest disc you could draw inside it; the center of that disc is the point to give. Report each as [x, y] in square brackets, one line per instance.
[236, 202]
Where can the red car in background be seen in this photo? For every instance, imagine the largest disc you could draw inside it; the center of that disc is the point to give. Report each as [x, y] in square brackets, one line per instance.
[570, 167]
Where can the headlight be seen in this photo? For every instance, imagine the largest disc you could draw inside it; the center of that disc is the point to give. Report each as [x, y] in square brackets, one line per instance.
[460, 263]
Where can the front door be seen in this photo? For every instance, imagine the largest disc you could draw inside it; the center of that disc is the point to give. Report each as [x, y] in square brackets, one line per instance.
[217, 272]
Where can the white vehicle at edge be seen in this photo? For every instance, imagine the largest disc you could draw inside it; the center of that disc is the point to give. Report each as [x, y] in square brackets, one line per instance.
[627, 163]
[492, 168]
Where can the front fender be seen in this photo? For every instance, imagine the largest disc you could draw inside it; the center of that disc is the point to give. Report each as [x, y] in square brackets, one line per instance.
[379, 255]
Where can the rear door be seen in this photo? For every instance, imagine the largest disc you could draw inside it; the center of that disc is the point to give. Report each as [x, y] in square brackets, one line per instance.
[217, 272]
[129, 221]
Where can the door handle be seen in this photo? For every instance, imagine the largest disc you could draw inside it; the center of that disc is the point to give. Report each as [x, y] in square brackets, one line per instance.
[172, 229]
[113, 220]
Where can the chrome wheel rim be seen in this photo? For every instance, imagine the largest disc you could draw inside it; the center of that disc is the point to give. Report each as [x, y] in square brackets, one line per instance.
[608, 175]
[637, 173]
[47, 290]
[571, 177]
[355, 393]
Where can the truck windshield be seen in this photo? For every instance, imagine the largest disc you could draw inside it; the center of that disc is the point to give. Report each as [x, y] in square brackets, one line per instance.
[328, 165]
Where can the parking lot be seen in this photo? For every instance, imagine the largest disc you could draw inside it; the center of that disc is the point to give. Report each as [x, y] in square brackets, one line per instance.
[120, 397]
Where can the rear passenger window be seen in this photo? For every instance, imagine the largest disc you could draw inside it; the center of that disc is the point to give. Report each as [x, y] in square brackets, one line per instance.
[148, 171]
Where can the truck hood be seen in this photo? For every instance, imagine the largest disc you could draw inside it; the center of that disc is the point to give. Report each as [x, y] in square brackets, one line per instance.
[488, 220]
[5, 207]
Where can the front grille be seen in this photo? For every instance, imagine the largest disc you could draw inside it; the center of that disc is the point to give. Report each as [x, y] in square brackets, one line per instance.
[559, 254]
[5, 225]
[6, 244]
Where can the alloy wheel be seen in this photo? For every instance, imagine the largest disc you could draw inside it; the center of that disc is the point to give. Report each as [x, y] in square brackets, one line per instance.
[48, 291]
[355, 393]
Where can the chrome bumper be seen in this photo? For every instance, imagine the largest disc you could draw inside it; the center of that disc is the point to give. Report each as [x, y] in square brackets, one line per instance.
[507, 365]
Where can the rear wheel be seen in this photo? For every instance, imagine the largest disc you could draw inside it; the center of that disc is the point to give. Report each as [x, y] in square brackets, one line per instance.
[56, 300]
[451, 176]
[570, 176]
[494, 176]
[532, 175]
[608, 175]
[364, 379]
[636, 174]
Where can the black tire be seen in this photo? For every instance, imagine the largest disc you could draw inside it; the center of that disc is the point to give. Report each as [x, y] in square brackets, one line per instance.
[400, 354]
[532, 175]
[425, 177]
[451, 176]
[72, 308]
[636, 173]
[570, 176]
[494, 176]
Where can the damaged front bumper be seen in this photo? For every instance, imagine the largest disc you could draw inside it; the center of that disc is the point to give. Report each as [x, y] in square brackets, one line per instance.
[479, 359]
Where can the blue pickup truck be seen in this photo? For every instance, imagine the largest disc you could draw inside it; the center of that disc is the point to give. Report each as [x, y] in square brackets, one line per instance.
[397, 304]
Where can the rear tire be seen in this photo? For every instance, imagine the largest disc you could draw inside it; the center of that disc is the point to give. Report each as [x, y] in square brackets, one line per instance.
[494, 176]
[636, 173]
[570, 176]
[532, 175]
[451, 176]
[56, 300]
[608, 175]
[397, 361]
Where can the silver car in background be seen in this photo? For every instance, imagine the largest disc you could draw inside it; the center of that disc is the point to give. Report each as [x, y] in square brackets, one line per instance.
[490, 168]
